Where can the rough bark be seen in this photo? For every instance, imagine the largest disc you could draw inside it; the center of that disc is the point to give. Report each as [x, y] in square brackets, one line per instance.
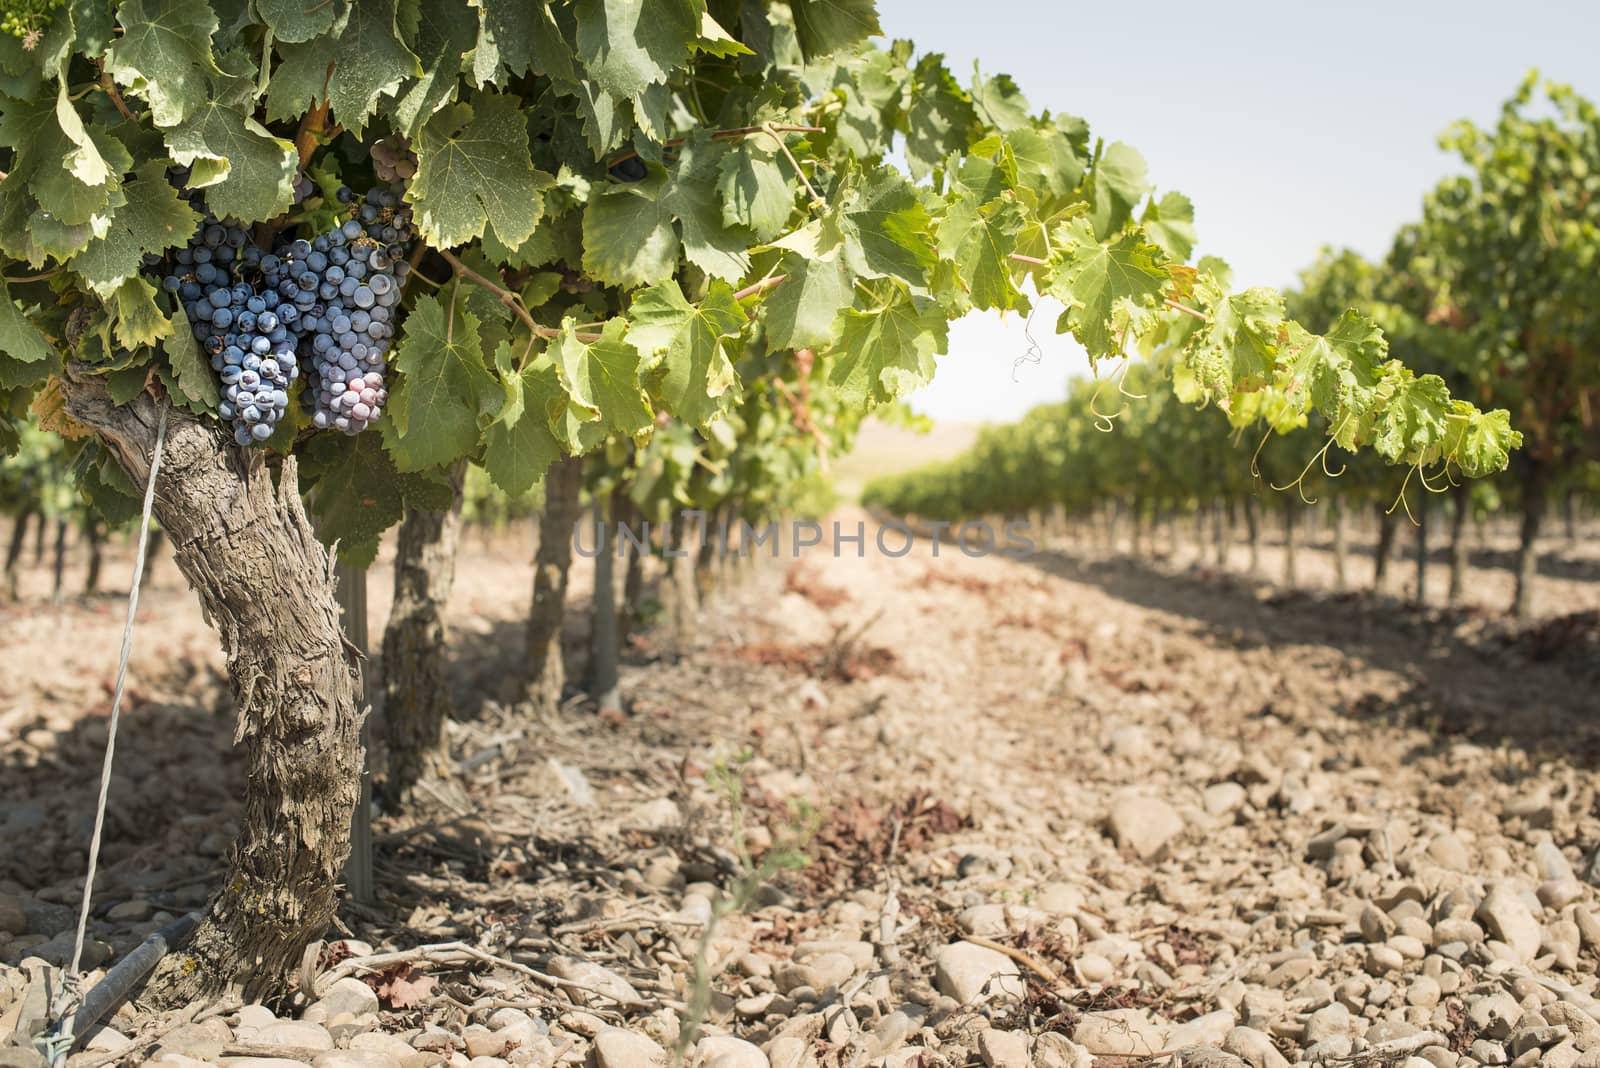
[1458, 543]
[265, 584]
[1533, 508]
[60, 562]
[1252, 523]
[547, 673]
[1219, 534]
[605, 637]
[1422, 550]
[705, 561]
[1291, 572]
[632, 613]
[94, 537]
[41, 539]
[152, 550]
[680, 581]
[1388, 522]
[416, 695]
[1341, 547]
[19, 537]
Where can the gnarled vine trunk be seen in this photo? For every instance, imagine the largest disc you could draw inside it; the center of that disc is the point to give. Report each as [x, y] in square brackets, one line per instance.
[547, 673]
[1341, 547]
[1291, 572]
[265, 584]
[94, 537]
[19, 538]
[1387, 523]
[1422, 550]
[1252, 524]
[605, 638]
[416, 696]
[1458, 543]
[1533, 509]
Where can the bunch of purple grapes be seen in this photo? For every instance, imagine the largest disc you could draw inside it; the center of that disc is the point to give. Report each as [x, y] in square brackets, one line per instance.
[329, 302]
[247, 334]
[346, 284]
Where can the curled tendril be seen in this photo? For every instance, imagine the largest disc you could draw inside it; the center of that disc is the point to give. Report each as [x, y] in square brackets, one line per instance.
[1103, 422]
[1424, 478]
[1255, 466]
[1033, 353]
[1299, 484]
[1333, 437]
[1401, 501]
[1121, 376]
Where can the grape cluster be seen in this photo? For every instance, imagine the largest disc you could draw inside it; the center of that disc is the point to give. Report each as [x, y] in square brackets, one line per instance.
[347, 283]
[323, 307]
[247, 334]
[393, 160]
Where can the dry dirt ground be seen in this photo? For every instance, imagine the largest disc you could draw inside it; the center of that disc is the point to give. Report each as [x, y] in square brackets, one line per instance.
[1062, 811]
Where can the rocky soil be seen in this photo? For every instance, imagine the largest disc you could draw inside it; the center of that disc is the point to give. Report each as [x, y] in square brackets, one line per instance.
[1057, 812]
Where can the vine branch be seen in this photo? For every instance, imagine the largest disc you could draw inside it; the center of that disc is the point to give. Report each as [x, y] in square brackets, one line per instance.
[731, 134]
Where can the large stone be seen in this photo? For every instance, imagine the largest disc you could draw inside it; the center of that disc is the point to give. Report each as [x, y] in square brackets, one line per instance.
[13, 920]
[1253, 1047]
[1003, 1049]
[966, 972]
[294, 1033]
[725, 1051]
[595, 979]
[1506, 918]
[616, 1048]
[356, 1058]
[1055, 1050]
[1143, 824]
[1121, 1033]
[348, 995]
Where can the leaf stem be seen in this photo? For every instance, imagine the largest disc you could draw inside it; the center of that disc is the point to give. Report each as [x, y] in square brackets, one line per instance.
[34, 277]
[816, 198]
[759, 287]
[509, 299]
[1185, 309]
[110, 88]
[730, 134]
[305, 141]
[1036, 261]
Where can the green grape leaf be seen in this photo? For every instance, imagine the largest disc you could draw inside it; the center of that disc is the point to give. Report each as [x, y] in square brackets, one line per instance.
[1046, 164]
[1481, 442]
[165, 55]
[754, 190]
[1169, 223]
[1000, 103]
[695, 379]
[443, 390]
[1237, 348]
[709, 242]
[294, 21]
[939, 120]
[190, 367]
[371, 61]
[628, 237]
[1412, 423]
[886, 222]
[980, 238]
[519, 445]
[826, 26]
[20, 340]
[153, 219]
[628, 45]
[1120, 182]
[885, 353]
[360, 493]
[139, 321]
[602, 377]
[443, 37]
[716, 41]
[800, 312]
[1093, 278]
[473, 169]
[247, 173]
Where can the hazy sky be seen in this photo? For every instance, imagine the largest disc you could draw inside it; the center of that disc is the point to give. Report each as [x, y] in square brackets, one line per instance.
[1290, 126]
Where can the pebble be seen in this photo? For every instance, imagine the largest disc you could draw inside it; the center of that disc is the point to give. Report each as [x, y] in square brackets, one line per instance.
[1121, 1033]
[966, 972]
[1003, 1049]
[1093, 968]
[617, 1048]
[347, 995]
[295, 1033]
[355, 1058]
[596, 977]
[725, 1051]
[1507, 918]
[1143, 824]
